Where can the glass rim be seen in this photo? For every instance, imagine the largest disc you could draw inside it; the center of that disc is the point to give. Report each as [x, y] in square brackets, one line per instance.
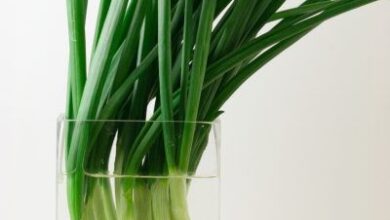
[61, 118]
[146, 176]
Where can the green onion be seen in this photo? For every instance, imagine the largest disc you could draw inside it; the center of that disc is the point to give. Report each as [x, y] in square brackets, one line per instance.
[188, 57]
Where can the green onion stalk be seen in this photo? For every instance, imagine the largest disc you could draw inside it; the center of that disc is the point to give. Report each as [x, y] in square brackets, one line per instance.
[188, 57]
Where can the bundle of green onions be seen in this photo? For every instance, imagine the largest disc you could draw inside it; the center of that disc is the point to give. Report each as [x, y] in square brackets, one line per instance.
[187, 56]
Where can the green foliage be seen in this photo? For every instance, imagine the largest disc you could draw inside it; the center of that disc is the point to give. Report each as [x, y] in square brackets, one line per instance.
[189, 57]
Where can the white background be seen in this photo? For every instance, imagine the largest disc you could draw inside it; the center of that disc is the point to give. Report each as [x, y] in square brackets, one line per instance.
[307, 138]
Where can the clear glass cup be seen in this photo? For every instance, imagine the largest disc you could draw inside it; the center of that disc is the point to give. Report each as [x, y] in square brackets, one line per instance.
[117, 170]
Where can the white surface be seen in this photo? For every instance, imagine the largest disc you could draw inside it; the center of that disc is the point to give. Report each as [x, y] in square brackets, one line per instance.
[307, 138]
